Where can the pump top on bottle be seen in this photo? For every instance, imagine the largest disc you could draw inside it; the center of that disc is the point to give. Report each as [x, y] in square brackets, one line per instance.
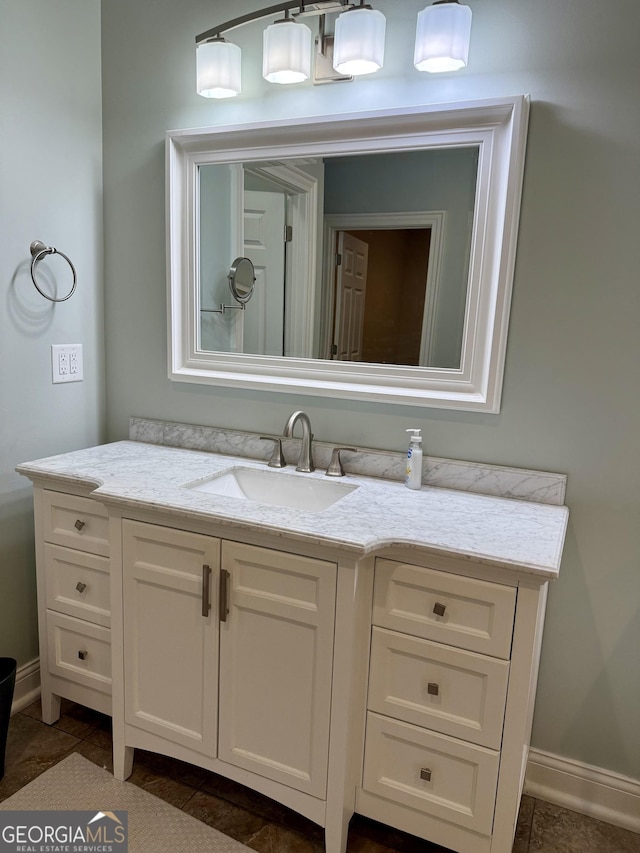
[413, 474]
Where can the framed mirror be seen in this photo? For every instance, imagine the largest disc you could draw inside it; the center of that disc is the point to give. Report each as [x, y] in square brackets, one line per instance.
[383, 245]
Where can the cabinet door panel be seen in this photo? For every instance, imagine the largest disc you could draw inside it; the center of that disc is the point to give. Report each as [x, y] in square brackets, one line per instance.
[171, 648]
[276, 651]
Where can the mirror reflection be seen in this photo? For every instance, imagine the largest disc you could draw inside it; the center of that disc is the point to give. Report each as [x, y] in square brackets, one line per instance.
[242, 280]
[357, 258]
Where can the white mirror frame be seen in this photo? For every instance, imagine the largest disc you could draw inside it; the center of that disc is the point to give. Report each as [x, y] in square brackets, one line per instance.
[498, 127]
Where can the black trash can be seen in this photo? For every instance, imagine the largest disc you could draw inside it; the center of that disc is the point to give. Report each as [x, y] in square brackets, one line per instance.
[7, 683]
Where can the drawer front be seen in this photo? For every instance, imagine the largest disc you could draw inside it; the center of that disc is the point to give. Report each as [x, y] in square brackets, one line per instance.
[432, 773]
[455, 692]
[75, 522]
[462, 612]
[77, 584]
[79, 651]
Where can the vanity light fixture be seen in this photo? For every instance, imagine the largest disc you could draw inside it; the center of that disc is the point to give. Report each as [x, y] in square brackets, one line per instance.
[356, 46]
[442, 37]
[286, 51]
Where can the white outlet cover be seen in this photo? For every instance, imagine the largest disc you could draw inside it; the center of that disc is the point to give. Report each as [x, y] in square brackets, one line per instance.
[66, 363]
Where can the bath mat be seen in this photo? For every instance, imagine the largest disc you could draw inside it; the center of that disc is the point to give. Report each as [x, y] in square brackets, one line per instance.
[153, 825]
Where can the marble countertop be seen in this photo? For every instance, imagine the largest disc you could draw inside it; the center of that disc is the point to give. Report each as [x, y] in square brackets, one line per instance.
[379, 513]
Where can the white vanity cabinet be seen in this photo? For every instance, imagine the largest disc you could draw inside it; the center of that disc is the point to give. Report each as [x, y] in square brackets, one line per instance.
[228, 653]
[378, 658]
[74, 611]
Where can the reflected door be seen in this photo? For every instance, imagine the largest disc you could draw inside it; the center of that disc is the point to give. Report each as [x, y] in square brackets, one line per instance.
[264, 221]
[351, 286]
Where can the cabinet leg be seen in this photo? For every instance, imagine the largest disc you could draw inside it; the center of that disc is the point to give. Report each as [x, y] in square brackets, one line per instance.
[336, 833]
[50, 707]
[122, 762]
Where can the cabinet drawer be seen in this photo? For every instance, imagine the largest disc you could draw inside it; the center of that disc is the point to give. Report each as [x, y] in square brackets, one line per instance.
[77, 584]
[432, 773]
[455, 692]
[79, 651]
[76, 522]
[463, 612]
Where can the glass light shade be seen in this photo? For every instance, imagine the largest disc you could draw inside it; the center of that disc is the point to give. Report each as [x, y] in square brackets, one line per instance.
[286, 52]
[218, 69]
[358, 46]
[442, 37]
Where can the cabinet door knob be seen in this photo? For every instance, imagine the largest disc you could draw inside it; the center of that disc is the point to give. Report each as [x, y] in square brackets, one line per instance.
[81, 586]
[433, 689]
[83, 655]
[425, 774]
[439, 609]
[79, 524]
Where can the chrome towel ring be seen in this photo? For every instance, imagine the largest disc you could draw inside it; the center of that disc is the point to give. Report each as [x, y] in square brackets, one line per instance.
[38, 251]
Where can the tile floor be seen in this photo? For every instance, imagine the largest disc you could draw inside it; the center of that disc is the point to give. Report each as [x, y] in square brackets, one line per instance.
[256, 821]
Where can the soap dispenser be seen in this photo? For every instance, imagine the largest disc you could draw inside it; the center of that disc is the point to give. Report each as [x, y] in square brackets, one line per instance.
[413, 475]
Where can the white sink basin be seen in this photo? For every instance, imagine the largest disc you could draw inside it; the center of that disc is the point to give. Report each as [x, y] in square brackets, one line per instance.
[275, 488]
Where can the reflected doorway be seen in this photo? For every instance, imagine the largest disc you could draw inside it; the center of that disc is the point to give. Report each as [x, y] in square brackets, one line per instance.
[380, 293]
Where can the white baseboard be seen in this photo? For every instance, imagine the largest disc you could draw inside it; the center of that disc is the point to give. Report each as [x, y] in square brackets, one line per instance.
[27, 687]
[582, 788]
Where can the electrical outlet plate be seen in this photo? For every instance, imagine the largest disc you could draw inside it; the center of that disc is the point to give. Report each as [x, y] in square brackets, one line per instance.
[66, 363]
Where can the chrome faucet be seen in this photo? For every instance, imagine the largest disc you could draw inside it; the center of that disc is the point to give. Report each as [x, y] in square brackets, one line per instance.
[305, 461]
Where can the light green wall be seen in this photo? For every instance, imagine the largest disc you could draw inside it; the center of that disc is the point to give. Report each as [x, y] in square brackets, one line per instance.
[571, 400]
[50, 190]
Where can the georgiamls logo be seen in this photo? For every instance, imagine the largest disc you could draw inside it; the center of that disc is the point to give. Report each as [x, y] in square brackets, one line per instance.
[63, 831]
[111, 815]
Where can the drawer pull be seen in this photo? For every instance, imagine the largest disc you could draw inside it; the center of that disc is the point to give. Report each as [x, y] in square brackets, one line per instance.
[81, 586]
[425, 774]
[433, 689]
[439, 609]
[79, 524]
[83, 655]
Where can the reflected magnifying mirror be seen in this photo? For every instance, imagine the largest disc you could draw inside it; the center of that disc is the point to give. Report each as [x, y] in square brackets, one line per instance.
[242, 280]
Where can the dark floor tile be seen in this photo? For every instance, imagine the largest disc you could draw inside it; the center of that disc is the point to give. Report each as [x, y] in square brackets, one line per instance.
[172, 768]
[523, 826]
[34, 710]
[32, 748]
[169, 789]
[74, 719]
[363, 832]
[278, 839]
[100, 732]
[224, 816]
[272, 811]
[558, 830]
[102, 757]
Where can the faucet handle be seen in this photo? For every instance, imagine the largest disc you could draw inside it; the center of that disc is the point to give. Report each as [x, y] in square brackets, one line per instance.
[335, 468]
[277, 456]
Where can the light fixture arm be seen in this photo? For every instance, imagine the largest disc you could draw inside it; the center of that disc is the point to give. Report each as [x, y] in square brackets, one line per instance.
[321, 7]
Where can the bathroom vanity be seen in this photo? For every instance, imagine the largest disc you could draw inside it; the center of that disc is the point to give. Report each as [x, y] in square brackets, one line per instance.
[378, 655]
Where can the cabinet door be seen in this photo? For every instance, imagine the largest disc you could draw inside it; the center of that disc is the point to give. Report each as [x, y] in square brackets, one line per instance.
[171, 648]
[276, 653]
